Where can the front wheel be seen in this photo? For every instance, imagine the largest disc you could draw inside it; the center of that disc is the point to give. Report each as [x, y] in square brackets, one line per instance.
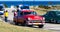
[16, 23]
[23, 24]
[54, 21]
[30, 25]
[41, 26]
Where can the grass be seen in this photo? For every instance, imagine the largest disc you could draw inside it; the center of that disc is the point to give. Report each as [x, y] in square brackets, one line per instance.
[5, 27]
[39, 12]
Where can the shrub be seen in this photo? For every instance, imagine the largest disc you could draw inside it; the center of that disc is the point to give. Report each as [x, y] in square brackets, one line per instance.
[5, 5]
[46, 7]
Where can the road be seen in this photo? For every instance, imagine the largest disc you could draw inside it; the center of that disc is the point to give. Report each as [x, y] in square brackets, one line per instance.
[47, 26]
[53, 27]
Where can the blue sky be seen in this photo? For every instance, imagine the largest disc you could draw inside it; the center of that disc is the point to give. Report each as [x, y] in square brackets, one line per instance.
[30, 0]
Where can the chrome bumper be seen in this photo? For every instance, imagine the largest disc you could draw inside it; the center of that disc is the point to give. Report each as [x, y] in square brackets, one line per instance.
[36, 23]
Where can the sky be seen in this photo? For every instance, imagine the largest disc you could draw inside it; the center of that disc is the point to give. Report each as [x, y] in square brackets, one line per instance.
[30, 0]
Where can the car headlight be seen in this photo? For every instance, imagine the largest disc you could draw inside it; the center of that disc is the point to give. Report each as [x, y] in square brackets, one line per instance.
[43, 18]
[29, 18]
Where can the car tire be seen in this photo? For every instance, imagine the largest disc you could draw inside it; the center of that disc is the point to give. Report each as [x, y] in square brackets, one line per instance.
[24, 24]
[41, 26]
[30, 25]
[57, 22]
[53, 21]
[16, 23]
[49, 21]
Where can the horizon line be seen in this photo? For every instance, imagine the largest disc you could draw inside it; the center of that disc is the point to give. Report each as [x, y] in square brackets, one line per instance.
[58, 1]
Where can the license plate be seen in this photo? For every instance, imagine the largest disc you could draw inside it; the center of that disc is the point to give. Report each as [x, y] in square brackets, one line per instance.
[36, 21]
[36, 24]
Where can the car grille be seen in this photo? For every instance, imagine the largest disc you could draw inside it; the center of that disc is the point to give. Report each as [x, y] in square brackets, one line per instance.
[36, 21]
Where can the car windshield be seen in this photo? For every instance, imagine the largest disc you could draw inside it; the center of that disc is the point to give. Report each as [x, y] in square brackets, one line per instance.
[1, 8]
[25, 7]
[34, 13]
[58, 12]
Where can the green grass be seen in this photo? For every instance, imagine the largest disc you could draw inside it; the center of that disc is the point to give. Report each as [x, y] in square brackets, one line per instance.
[6, 27]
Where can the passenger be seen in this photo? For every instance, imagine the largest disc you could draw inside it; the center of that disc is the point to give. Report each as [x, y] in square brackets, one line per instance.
[18, 11]
[6, 15]
[15, 13]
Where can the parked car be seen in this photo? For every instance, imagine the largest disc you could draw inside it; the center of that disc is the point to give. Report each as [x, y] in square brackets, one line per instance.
[2, 9]
[29, 18]
[52, 16]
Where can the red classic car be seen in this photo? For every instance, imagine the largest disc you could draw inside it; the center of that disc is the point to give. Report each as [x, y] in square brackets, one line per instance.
[29, 17]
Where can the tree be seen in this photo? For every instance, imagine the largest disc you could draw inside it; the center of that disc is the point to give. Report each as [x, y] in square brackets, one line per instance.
[42, 6]
[5, 5]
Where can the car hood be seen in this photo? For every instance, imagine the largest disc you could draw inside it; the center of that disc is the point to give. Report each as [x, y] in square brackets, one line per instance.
[33, 17]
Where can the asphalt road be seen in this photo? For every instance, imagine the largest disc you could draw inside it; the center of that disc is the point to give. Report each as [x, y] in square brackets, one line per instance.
[47, 26]
[53, 27]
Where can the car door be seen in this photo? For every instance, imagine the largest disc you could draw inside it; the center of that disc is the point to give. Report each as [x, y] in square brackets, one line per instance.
[20, 17]
[49, 15]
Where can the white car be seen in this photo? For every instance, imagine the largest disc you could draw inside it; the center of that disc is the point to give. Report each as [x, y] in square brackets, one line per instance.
[2, 9]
